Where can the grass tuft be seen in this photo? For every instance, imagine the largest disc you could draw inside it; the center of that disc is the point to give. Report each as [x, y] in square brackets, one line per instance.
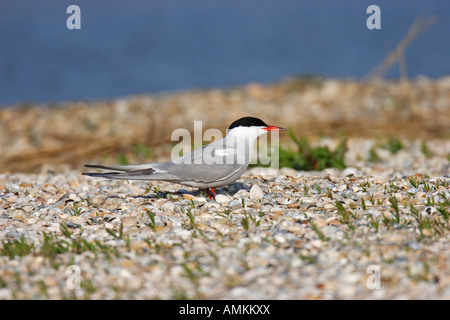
[394, 145]
[307, 157]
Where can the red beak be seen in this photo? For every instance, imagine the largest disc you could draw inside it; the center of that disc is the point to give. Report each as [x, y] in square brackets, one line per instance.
[274, 128]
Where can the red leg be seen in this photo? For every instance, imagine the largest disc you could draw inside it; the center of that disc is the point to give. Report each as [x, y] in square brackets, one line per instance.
[209, 191]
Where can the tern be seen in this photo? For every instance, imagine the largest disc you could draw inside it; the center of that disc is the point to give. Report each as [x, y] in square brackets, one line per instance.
[214, 165]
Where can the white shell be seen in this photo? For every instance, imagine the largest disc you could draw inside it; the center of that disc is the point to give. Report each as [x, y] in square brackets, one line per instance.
[222, 199]
[256, 193]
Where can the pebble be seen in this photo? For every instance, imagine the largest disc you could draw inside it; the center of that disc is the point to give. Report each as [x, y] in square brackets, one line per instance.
[190, 246]
[188, 196]
[235, 204]
[222, 199]
[129, 221]
[256, 194]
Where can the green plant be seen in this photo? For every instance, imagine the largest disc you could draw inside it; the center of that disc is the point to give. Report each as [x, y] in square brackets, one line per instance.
[373, 155]
[141, 151]
[394, 205]
[122, 158]
[346, 215]
[159, 193]
[414, 182]
[319, 233]
[426, 150]
[245, 223]
[444, 198]
[151, 216]
[443, 183]
[225, 214]
[309, 259]
[394, 145]
[318, 188]
[75, 211]
[12, 248]
[444, 211]
[191, 218]
[374, 223]
[119, 235]
[307, 157]
[363, 204]
[51, 246]
[428, 187]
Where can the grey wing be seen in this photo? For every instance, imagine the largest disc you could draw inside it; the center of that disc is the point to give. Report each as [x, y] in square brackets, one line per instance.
[212, 163]
[205, 173]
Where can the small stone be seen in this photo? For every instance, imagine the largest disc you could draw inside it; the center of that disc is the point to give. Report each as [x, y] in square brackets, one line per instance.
[188, 196]
[160, 202]
[19, 217]
[320, 223]
[111, 204]
[256, 193]
[168, 206]
[235, 204]
[211, 206]
[332, 221]
[428, 211]
[31, 220]
[50, 188]
[18, 214]
[374, 213]
[417, 177]
[222, 199]
[307, 200]
[129, 221]
[199, 201]
[74, 197]
[420, 195]
[348, 172]
[285, 201]
[12, 188]
[242, 194]
[348, 194]
[378, 195]
[73, 225]
[77, 220]
[96, 200]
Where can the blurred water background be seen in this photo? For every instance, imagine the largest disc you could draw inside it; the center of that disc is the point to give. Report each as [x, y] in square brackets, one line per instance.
[133, 47]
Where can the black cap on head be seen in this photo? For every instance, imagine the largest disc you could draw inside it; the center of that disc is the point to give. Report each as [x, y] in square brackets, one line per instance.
[248, 122]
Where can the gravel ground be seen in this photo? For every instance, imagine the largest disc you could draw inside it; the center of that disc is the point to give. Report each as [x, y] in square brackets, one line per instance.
[376, 230]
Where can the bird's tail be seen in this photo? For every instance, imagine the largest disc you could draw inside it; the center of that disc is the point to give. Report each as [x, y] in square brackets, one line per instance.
[128, 167]
[126, 175]
[132, 172]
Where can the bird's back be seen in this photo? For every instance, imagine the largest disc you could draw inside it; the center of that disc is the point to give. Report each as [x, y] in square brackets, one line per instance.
[216, 164]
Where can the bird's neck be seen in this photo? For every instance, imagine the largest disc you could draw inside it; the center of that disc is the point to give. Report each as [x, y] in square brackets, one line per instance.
[243, 142]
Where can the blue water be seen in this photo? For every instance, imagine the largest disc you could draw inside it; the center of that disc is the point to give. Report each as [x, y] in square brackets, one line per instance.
[132, 47]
